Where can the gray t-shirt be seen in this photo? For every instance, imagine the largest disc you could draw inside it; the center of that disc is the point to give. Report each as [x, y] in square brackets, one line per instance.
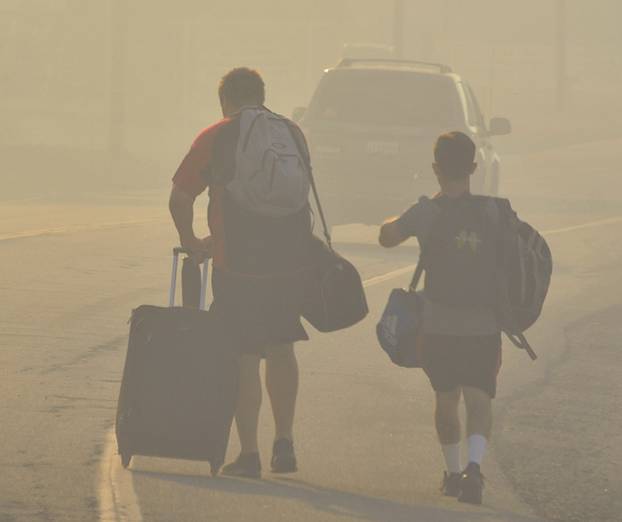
[439, 318]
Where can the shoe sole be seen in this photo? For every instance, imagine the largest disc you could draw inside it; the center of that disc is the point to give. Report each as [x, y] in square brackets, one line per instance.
[470, 495]
[241, 475]
[286, 466]
[283, 471]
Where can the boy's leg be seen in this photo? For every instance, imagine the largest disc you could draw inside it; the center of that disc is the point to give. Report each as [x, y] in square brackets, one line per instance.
[479, 425]
[448, 430]
[446, 416]
[448, 427]
[439, 365]
[479, 421]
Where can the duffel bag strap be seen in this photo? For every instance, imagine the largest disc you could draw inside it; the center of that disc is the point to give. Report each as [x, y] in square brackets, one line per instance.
[303, 149]
[319, 207]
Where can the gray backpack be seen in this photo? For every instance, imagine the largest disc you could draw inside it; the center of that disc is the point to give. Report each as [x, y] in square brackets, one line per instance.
[271, 176]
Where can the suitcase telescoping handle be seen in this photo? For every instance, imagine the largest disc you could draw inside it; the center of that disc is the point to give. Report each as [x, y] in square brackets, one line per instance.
[204, 273]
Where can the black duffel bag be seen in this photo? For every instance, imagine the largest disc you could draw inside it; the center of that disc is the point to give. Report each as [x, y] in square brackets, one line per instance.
[335, 298]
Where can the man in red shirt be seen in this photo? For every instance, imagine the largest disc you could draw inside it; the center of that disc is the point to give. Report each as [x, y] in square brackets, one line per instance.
[258, 278]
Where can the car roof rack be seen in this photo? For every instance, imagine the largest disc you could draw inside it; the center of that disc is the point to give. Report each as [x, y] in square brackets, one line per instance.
[349, 62]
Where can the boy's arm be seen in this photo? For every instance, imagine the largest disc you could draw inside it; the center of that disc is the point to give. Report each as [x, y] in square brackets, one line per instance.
[391, 234]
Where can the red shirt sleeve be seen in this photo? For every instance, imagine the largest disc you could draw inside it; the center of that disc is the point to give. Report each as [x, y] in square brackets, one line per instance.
[191, 175]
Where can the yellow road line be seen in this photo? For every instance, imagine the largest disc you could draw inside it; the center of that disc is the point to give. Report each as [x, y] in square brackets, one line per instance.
[591, 224]
[115, 493]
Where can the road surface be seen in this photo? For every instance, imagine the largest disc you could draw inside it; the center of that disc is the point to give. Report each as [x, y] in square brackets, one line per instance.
[71, 273]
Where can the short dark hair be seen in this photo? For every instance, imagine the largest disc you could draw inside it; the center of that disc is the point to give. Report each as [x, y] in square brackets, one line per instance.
[242, 86]
[454, 153]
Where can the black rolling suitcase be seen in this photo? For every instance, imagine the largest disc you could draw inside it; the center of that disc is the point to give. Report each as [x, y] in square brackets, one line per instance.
[180, 380]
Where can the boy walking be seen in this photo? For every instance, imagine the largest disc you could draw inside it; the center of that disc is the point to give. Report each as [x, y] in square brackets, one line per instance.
[461, 345]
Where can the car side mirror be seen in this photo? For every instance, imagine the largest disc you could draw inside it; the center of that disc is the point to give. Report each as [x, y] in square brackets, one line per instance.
[499, 127]
[298, 113]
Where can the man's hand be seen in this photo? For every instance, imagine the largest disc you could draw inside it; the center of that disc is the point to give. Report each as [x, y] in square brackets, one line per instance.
[199, 249]
[181, 205]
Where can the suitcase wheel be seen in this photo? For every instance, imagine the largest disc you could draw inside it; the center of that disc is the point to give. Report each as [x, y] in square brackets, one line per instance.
[126, 459]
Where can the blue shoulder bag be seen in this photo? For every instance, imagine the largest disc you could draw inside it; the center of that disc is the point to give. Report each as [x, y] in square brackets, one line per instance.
[399, 330]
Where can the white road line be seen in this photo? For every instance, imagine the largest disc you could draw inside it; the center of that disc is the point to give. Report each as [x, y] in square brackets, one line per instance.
[77, 228]
[591, 224]
[388, 276]
[115, 492]
[117, 499]
[407, 269]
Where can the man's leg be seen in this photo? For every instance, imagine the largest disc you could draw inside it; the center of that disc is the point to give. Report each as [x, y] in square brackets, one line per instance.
[249, 403]
[282, 386]
[247, 419]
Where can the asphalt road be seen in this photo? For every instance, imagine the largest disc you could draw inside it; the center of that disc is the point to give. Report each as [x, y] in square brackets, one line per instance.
[70, 274]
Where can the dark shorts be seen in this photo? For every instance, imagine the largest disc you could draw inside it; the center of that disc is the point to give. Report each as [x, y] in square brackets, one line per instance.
[452, 361]
[260, 312]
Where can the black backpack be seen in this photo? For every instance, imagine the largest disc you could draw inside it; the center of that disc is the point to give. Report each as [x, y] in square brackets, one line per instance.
[524, 275]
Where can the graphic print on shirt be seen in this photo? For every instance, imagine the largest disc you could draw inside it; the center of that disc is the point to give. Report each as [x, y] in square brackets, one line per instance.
[471, 239]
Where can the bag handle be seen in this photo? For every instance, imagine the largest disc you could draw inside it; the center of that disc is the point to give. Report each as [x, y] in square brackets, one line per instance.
[414, 283]
[303, 150]
[319, 207]
[204, 276]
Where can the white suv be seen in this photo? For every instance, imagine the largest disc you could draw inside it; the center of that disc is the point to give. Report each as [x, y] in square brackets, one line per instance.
[372, 124]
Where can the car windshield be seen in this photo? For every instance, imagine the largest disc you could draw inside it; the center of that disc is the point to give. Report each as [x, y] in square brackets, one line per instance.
[387, 98]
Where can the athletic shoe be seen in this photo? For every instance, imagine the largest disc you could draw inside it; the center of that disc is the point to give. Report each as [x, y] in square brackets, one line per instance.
[283, 457]
[451, 484]
[246, 465]
[471, 484]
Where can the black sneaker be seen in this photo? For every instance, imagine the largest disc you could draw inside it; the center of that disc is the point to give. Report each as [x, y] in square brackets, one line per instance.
[451, 484]
[471, 484]
[283, 457]
[246, 465]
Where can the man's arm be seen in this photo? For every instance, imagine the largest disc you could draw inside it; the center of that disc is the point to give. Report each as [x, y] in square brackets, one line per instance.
[390, 234]
[181, 206]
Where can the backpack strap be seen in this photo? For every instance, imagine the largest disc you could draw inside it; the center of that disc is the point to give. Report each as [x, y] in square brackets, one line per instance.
[520, 341]
[250, 129]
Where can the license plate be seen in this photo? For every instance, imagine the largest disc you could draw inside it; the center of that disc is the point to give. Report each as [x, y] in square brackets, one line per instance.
[384, 148]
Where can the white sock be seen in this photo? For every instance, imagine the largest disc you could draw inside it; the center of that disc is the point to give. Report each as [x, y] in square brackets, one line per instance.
[452, 457]
[477, 448]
